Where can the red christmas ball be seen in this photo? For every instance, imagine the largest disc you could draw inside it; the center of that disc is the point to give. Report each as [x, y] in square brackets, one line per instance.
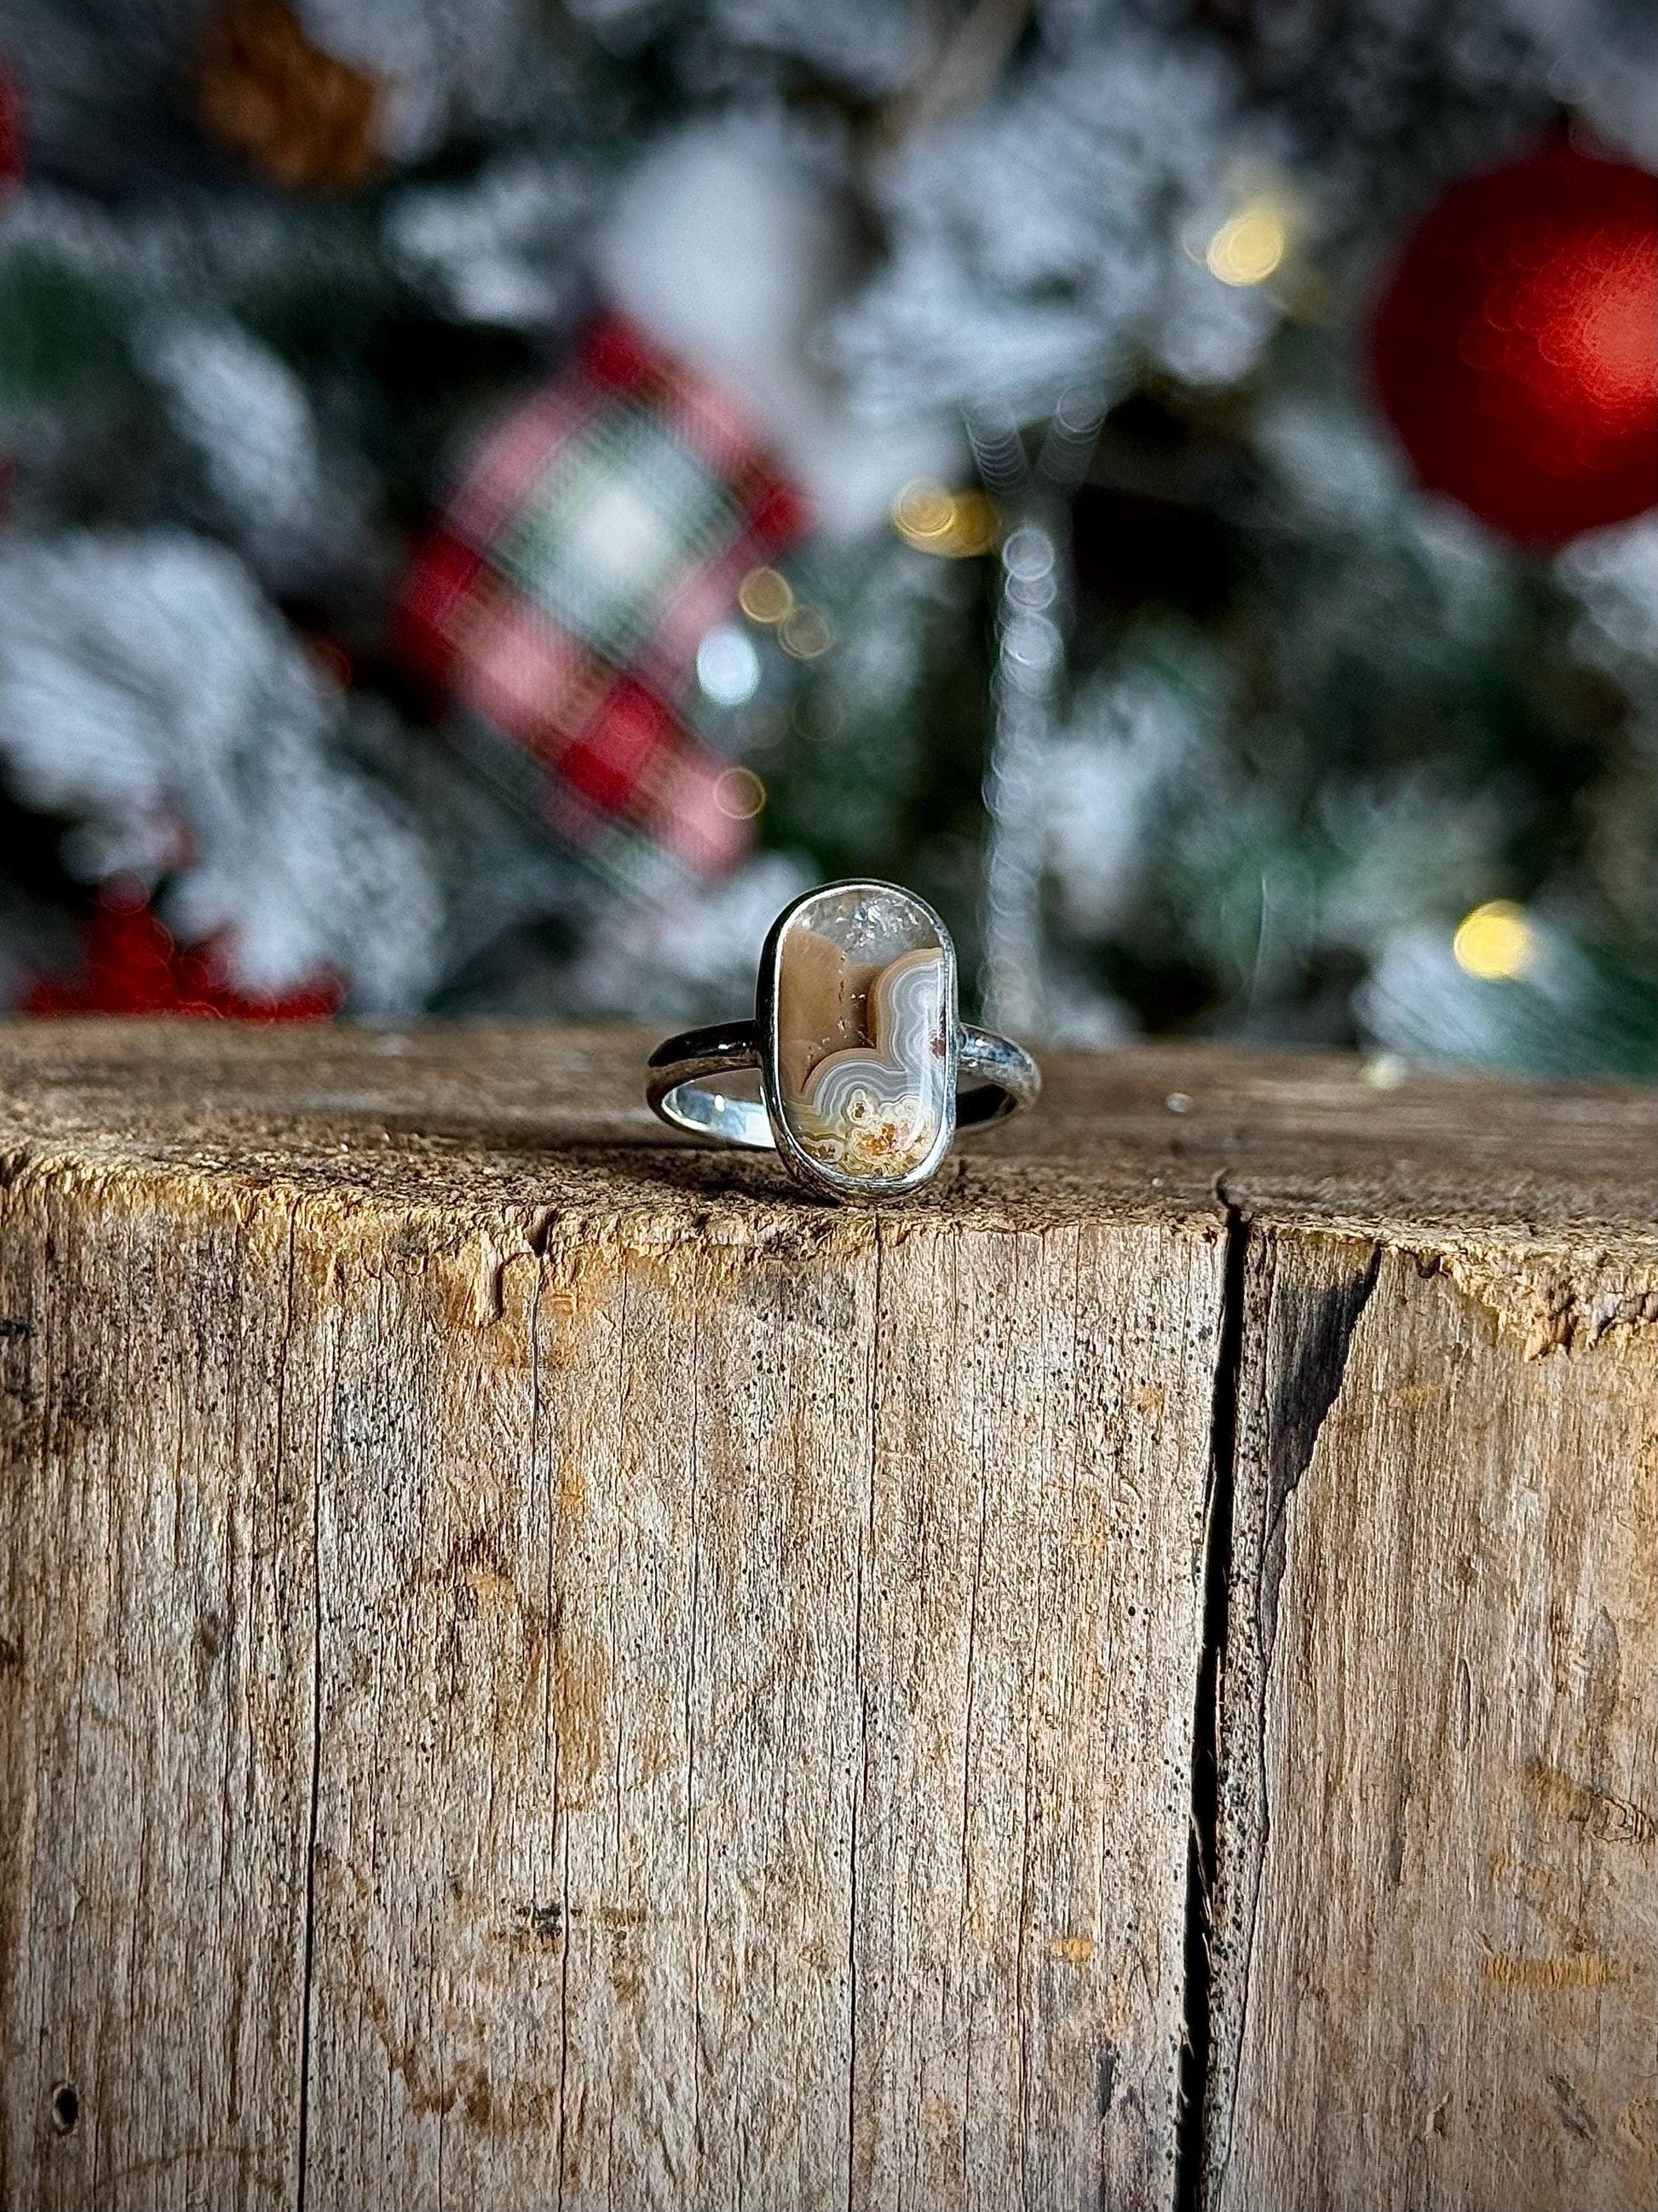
[1515, 346]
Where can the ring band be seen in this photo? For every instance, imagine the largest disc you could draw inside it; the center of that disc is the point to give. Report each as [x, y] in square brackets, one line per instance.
[857, 1046]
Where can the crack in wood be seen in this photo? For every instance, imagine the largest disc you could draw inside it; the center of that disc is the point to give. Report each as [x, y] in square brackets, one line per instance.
[1313, 1331]
[1320, 1326]
[1215, 1568]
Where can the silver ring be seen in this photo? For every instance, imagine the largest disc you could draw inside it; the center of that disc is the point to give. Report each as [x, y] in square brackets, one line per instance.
[858, 1047]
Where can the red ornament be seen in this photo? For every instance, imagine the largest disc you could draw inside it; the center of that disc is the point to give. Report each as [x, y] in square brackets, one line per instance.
[1515, 348]
[134, 966]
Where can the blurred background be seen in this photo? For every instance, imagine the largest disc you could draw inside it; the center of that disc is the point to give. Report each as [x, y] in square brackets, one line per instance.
[499, 495]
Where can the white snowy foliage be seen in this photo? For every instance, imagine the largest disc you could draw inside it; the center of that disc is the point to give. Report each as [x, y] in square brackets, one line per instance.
[249, 418]
[1265, 893]
[1371, 71]
[1600, 58]
[1132, 736]
[1403, 850]
[169, 281]
[872, 47]
[1147, 799]
[729, 243]
[147, 691]
[189, 253]
[1417, 1002]
[1046, 237]
[1613, 576]
[447, 65]
[1338, 471]
[498, 248]
[1080, 1015]
[697, 955]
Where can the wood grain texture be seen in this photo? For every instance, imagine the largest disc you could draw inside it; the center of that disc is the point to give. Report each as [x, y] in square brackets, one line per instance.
[540, 1668]
[1438, 1892]
[155, 1735]
[705, 1814]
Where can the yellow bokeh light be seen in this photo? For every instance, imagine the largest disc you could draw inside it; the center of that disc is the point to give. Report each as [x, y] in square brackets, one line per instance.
[806, 634]
[977, 526]
[922, 512]
[739, 794]
[957, 524]
[1495, 942]
[765, 597]
[1251, 246]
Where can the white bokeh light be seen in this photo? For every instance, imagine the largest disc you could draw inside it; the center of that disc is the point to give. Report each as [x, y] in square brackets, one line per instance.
[727, 666]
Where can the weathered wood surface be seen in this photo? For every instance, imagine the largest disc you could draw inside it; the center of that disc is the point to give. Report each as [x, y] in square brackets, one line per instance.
[1438, 1885]
[540, 1668]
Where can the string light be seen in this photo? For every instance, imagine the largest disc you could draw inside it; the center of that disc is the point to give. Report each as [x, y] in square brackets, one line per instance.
[806, 634]
[738, 794]
[959, 525]
[765, 596]
[1251, 246]
[727, 666]
[1495, 942]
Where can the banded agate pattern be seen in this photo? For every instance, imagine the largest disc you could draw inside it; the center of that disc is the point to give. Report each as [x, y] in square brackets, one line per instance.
[863, 1010]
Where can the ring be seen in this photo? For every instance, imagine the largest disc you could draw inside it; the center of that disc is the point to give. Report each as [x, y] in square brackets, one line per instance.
[859, 1047]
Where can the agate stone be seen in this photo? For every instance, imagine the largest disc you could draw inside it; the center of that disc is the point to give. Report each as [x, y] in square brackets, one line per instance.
[863, 1012]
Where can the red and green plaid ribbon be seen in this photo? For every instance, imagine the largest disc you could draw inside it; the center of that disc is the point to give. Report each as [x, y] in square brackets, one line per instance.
[602, 528]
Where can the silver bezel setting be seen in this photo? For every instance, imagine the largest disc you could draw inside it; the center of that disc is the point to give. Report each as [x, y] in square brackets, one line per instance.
[816, 1175]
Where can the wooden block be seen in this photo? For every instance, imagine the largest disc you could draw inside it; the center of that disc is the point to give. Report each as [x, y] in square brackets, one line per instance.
[1438, 1848]
[540, 1667]
[156, 1726]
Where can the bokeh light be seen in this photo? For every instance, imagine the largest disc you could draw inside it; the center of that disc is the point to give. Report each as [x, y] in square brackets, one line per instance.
[806, 634]
[765, 596]
[738, 794]
[727, 666]
[1496, 942]
[960, 525]
[1251, 246]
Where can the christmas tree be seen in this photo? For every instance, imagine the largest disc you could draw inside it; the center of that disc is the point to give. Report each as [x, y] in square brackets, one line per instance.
[498, 497]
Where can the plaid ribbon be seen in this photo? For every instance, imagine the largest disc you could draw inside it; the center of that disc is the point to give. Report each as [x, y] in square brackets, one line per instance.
[600, 530]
